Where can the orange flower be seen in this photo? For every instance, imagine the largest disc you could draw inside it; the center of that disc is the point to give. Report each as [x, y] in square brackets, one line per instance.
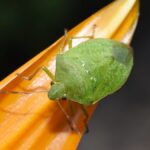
[33, 121]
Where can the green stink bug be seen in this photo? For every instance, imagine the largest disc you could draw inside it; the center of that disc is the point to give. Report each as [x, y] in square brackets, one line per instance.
[92, 70]
[89, 72]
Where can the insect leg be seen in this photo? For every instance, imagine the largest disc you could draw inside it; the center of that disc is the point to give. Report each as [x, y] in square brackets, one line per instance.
[71, 107]
[72, 125]
[63, 42]
[86, 117]
[45, 69]
[82, 37]
[49, 73]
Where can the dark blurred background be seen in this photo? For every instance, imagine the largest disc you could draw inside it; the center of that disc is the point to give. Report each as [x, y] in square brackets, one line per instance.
[121, 121]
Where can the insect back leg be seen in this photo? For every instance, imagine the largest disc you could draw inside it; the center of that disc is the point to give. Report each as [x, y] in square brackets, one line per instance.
[68, 118]
[82, 37]
[62, 46]
[71, 107]
[85, 112]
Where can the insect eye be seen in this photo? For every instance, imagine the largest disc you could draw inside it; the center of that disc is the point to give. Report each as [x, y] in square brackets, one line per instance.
[64, 98]
[52, 82]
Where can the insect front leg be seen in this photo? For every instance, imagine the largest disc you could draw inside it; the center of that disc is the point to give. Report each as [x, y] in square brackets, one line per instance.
[30, 77]
[45, 69]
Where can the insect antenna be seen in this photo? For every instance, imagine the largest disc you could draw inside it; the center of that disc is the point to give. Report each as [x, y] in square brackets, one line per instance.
[4, 92]
[21, 92]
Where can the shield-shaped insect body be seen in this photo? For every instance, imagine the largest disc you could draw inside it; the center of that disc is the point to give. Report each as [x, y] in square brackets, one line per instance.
[92, 70]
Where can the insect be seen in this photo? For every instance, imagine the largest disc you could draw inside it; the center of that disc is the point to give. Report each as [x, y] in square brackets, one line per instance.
[89, 72]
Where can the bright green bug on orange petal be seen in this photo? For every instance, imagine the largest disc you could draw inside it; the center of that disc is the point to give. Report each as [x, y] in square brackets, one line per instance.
[91, 71]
